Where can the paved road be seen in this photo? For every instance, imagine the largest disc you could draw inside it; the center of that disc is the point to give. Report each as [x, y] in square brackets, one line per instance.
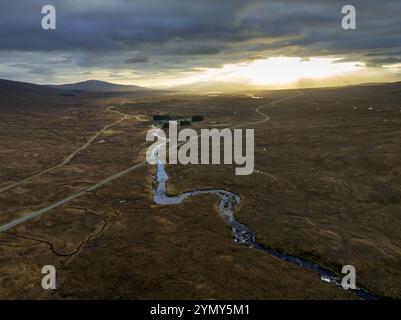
[258, 110]
[70, 156]
[33, 214]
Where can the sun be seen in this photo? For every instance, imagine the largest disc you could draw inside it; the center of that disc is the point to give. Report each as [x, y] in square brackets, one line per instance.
[286, 70]
[277, 71]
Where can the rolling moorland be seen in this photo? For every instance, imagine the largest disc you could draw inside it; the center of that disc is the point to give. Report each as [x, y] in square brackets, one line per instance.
[326, 187]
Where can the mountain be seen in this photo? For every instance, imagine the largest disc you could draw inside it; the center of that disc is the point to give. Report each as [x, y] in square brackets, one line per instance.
[98, 86]
[18, 96]
[226, 87]
[17, 87]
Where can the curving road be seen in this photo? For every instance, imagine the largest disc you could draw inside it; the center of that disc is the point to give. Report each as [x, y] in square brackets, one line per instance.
[34, 214]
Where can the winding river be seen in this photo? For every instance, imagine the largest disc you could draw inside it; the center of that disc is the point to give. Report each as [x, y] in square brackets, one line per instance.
[242, 234]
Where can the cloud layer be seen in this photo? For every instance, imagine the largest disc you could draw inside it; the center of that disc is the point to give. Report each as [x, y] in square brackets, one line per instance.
[154, 41]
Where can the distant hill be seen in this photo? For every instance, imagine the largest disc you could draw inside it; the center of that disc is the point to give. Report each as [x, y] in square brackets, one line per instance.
[220, 86]
[98, 86]
[9, 87]
[18, 96]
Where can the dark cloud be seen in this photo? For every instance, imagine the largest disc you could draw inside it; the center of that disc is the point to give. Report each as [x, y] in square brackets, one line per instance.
[33, 69]
[63, 60]
[137, 59]
[183, 34]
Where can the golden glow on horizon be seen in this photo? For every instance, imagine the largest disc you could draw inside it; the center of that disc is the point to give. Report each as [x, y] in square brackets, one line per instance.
[275, 71]
[268, 73]
[392, 66]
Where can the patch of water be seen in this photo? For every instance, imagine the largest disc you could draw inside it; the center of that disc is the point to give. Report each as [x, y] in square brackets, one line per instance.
[242, 234]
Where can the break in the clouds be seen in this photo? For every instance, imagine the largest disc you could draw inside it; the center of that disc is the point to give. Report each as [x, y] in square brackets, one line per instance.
[173, 42]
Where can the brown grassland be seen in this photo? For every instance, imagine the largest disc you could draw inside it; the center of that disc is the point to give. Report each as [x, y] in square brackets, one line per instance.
[326, 187]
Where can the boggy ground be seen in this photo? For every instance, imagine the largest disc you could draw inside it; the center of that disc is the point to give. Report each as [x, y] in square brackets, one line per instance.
[327, 182]
[326, 187]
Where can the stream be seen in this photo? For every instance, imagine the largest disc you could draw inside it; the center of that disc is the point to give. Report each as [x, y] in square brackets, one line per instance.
[242, 234]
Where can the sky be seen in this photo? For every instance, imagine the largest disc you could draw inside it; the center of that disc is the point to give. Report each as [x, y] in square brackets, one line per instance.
[188, 43]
